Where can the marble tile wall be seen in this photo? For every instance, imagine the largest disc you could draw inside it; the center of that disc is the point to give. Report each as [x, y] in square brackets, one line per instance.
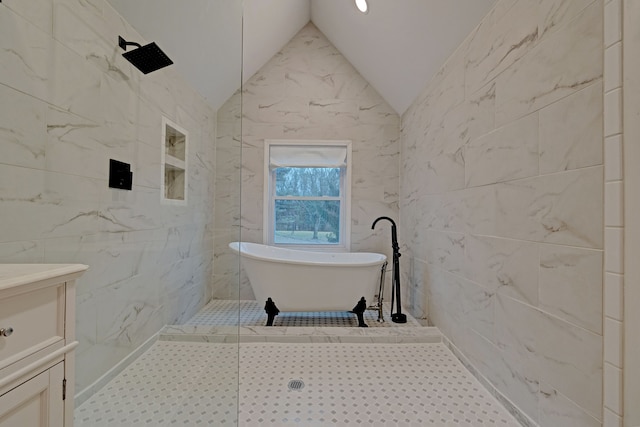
[70, 102]
[308, 90]
[502, 205]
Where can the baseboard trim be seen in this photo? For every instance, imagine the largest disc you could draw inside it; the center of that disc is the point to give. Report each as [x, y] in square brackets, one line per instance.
[89, 391]
[520, 416]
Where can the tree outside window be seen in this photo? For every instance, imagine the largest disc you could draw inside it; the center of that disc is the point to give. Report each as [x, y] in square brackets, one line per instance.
[307, 205]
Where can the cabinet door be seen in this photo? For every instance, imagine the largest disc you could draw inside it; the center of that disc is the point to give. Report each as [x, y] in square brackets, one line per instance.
[37, 402]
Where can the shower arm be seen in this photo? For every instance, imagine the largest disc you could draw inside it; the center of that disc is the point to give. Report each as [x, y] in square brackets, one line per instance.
[123, 43]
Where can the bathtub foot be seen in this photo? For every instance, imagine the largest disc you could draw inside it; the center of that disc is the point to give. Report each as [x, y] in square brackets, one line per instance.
[359, 310]
[272, 311]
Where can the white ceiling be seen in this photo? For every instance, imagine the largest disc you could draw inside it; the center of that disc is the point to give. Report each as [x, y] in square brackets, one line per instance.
[398, 46]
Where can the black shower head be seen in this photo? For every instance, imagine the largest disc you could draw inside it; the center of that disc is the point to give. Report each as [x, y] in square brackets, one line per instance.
[145, 58]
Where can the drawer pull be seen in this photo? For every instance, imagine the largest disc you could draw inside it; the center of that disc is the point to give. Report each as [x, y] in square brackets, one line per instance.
[5, 332]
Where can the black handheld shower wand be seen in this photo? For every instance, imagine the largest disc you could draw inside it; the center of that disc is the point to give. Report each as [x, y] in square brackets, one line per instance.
[396, 317]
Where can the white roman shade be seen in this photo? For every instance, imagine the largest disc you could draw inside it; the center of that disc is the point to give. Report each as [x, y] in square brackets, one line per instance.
[318, 156]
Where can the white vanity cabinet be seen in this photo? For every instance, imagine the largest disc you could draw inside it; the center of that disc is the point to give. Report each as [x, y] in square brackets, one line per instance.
[37, 339]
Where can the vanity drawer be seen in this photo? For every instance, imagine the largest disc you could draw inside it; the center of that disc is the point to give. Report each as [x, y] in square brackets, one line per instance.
[37, 320]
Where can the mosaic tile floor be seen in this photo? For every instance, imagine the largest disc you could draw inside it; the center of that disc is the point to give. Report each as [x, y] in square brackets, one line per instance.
[194, 384]
[251, 313]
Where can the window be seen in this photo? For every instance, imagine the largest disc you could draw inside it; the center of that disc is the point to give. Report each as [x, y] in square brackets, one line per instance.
[307, 200]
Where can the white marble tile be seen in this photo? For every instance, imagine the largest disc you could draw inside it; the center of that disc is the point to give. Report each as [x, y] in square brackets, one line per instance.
[74, 145]
[111, 258]
[613, 397]
[81, 27]
[611, 419]
[333, 112]
[38, 12]
[353, 86]
[22, 252]
[22, 129]
[138, 209]
[288, 110]
[148, 123]
[614, 204]
[86, 321]
[447, 89]
[508, 153]
[503, 6]
[516, 366]
[268, 82]
[119, 107]
[612, 22]
[564, 208]
[146, 165]
[477, 305]
[308, 83]
[24, 203]
[509, 267]
[505, 223]
[74, 84]
[231, 111]
[441, 171]
[570, 360]
[377, 112]
[158, 90]
[522, 418]
[613, 338]
[613, 112]
[474, 117]
[25, 55]
[613, 170]
[559, 65]
[128, 313]
[417, 289]
[373, 188]
[500, 40]
[571, 285]
[557, 410]
[441, 294]
[554, 14]
[614, 295]
[571, 131]
[445, 249]
[371, 163]
[613, 67]
[614, 250]
[472, 211]
[183, 303]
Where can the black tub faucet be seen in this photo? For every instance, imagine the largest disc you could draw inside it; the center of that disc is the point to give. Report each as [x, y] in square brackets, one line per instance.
[394, 233]
[398, 316]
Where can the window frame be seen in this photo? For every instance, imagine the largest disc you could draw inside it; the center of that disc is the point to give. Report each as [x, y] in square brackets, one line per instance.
[268, 216]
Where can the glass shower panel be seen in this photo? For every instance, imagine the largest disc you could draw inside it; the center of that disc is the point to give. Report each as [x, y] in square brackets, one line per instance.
[158, 253]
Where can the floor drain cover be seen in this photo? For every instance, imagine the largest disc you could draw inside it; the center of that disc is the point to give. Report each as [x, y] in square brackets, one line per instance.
[296, 385]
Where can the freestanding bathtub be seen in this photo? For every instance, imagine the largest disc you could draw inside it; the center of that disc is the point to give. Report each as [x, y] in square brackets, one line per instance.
[297, 280]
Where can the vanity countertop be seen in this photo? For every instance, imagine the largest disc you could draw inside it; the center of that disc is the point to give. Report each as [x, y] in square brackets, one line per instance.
[12, 275]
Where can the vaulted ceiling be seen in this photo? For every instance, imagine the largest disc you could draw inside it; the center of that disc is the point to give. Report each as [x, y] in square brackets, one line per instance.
[397, 46]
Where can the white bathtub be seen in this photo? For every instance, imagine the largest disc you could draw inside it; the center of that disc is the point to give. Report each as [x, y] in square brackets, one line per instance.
[310, 281]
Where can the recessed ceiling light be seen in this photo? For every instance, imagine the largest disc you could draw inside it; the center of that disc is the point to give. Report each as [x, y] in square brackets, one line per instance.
[362, 6]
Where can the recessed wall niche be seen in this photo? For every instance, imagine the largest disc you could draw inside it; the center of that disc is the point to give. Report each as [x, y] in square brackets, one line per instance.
[174, 163]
